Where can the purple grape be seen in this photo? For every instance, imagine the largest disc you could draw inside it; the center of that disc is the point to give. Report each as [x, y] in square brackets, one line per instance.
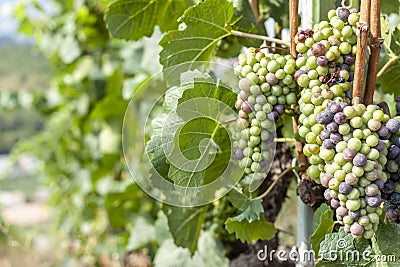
[395, 198]
[359, 160]
[380, 146]
[374, 201]
[243, 95]
[271, 78]
[384, 132]
[329, 144]
[333, 40]
[247, 107]
[280, 109]
[322, 61]
[380, 184]
[356, 229]
[389, 186]
[336, 137]
[344, 67]
[394, 177]
[341, 211]
[325, 117]
[345, 188]
[332, 127]
[393, 152]
[340, 118]
[335, 203]
[298, 73]
[273, 116]
[327, 194]
[325, 134]
[263, 163]
[238, 154]
[354, 215]
[325, 178]
[351, 76]
[343, 13]
[393, 125]
[349, 154]
[301, 37]
[335, 107]
[308, 32]
[318, 49]
[343, 105]
[349, 59]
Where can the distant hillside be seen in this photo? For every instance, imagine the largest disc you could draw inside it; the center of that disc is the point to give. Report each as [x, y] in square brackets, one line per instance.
[21, 67]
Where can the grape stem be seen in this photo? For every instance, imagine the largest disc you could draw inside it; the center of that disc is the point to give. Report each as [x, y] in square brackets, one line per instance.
[285, 140]
[256, 11]
[273, 47]
[388, 64]
[263, 195]
[362, 44]
[229, 121]
[259, 37]
[375, 49]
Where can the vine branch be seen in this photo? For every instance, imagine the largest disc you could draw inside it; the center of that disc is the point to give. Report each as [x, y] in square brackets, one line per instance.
[388, 64]
[362, 43]
[375, 48]
[259, 37]
[263, 195]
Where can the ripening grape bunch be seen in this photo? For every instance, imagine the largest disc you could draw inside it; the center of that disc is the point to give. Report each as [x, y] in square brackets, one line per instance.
[355, 144]
[325, 62]
[391, 189]
[266, 88]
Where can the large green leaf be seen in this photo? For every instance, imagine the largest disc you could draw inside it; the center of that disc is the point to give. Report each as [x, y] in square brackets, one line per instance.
[248, 232]
[336, 246]
[185, 225]
[206, 25]
[390, 7]
[252, 209]
[325, 226]
[134, 19]
[390, 79]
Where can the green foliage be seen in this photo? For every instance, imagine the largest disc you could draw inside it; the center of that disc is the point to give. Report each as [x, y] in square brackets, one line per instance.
[133, 19]
[249, 232]
[205, 27]
[323, 220]
[250, 225]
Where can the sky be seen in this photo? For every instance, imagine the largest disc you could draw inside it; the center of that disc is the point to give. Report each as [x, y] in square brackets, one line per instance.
[8, 23]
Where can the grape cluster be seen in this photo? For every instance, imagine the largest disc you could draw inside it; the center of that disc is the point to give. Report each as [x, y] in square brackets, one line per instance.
[355, 144]
[326, 63]
[326, 57]
[266, 88]
[391, 189]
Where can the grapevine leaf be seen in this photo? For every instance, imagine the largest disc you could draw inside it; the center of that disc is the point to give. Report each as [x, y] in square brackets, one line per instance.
[121, 205]
[205, 27]
[386, 32]
[390, 7]
[248, 23]
[252, 213]
[251, 208]
[185, 225]
[390, 79]
[342, 243]
[238, 199]
[134, 19]
[215, 151]
[317, 215]
[208, 252]
[325, 226]
[170, 255]
[248, 232]
[383, 244]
